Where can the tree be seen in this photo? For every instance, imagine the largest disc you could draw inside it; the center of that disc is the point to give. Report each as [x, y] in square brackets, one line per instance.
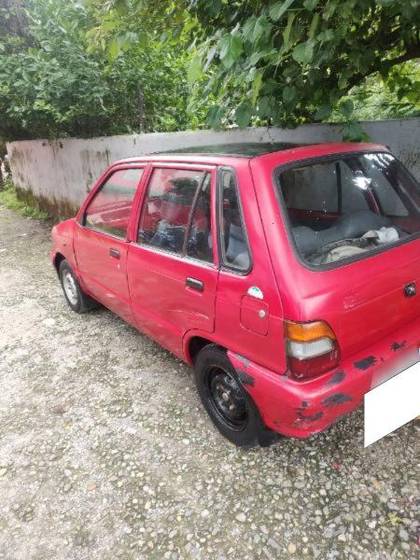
[54, 82]
[396, 97]
[92, 67]
[13, 20]
[291, 61]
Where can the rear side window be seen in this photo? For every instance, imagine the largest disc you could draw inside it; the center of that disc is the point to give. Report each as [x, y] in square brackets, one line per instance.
[109, 210]
[178, 201]
[346, 206]
[233, 240]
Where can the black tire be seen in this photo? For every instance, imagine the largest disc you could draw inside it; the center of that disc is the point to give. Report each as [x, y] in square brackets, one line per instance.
[77, 300]
[228, 404]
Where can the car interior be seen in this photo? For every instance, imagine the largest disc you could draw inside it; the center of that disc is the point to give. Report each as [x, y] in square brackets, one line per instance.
[339, 209]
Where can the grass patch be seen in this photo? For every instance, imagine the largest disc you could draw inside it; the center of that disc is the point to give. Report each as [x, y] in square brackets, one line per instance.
[9, 198]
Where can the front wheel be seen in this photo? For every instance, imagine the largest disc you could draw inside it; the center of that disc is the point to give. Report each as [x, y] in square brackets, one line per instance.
[227, 403]
[75, 296]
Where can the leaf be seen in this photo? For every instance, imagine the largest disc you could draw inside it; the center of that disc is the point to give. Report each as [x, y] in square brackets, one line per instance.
[353, 132]
[279, 8]
[303, 52]
[342, 82]
[214, 116]
[231, 48]
[265, 107]
[236, 46]
[310, 4]
[327, 35]
[346, 107]
[195, 70]
[256, 86]
[210, 56]
[224, 45]
[286, 33]
[289, 94]
[314, 25]
[262, 27]
[114, 50]
[255, 57]
[323, 112]
[248, 28]
[243, 114]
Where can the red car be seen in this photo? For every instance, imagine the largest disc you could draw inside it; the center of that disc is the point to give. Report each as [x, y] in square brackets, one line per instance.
[285, 274]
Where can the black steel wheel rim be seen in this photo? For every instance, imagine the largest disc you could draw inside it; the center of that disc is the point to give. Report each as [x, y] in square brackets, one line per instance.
[227, 399]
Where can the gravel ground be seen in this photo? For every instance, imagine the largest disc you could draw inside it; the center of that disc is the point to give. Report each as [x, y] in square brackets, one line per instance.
[106, 453]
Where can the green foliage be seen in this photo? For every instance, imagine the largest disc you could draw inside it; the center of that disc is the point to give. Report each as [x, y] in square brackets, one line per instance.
[9, 199]
[306, 55]
[97, 67]
[397, 96]
[55, 82]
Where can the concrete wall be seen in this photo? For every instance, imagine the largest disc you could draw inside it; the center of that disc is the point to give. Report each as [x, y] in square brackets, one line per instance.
[59, 173]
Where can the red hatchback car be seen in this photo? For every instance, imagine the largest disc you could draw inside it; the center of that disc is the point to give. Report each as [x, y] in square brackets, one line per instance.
[285, 274]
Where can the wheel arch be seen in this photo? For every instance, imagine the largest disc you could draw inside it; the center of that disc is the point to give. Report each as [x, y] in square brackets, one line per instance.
[194, 343]
[58, 259]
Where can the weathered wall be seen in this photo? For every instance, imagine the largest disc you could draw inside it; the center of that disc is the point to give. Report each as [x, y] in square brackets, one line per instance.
[59, 173]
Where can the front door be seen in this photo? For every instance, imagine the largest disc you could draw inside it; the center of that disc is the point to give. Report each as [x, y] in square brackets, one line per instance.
[170, 268]
[100, 242]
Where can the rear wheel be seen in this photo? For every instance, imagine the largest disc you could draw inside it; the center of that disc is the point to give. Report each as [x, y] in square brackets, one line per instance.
[75, 297]
[227, 403]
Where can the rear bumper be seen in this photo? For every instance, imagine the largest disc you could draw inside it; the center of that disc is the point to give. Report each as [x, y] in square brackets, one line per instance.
[301, 409]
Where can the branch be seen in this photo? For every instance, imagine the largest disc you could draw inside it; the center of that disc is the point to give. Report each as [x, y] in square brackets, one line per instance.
[411, 53]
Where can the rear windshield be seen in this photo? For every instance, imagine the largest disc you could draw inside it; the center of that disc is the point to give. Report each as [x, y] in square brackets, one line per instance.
[345, 207]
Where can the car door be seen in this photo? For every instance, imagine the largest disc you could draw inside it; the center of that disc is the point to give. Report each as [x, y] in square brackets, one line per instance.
[171, 272]
[100, 241]
[249, 313]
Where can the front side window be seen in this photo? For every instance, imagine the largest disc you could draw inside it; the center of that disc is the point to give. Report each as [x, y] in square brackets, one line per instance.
[346, 206]
[109, 210]
[234, 245]
[178, 201]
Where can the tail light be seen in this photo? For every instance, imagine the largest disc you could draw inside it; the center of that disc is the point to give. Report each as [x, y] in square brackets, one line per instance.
[311, 348]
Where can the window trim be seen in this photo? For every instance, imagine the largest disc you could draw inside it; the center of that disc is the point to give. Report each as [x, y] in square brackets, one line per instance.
[223, 265]
[98, 188]
[284, 215]
[176, 256]
[191, 214]
[178, 167]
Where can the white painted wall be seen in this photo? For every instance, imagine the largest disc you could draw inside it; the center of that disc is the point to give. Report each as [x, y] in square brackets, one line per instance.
[63, 171]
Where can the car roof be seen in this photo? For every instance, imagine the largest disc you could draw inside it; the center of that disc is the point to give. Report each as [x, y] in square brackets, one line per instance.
[243, 149]
[268, 151]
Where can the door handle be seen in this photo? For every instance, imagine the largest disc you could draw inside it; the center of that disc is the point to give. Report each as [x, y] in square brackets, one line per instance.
[194, 284]
[114, 253]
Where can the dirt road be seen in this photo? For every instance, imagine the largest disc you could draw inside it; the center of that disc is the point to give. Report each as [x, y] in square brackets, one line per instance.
[106, 453]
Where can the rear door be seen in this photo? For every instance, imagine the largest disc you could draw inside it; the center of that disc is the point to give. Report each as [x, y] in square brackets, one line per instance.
[249, 316]
[171, 270]
[100, 240]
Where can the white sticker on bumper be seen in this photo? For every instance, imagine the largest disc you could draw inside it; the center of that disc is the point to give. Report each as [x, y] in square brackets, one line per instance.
[392, 404]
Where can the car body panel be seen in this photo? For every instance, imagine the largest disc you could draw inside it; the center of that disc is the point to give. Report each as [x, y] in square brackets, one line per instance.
[104, 276]
[163, 305]
[237, 319]
[362, 301]
[301, 409]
